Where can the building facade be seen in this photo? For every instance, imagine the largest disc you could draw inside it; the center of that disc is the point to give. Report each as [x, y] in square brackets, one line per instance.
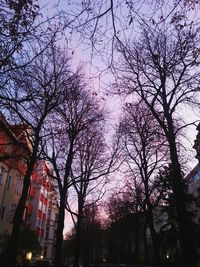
[194, 179]
[12, 171]
[41, 207]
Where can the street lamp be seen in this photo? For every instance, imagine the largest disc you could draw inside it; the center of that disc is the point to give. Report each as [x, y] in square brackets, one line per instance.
[29, 255]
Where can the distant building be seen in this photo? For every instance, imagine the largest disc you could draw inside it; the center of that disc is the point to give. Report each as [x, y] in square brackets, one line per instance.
[41, 206]
[11, 182]
[194, 179]
[197, 143]
[12, 170]
[194, 189]
[194, 184]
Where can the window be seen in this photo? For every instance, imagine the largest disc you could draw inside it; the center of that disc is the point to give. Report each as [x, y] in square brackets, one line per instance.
[197, 176]
[39, 215]
[12, 211]
[20, 185]
[13, 207]
[9, 182]
[38, 222]
[40, 205]
[45, 251]
[17, 185]
[2, 212]
[47, 233]
[42, 233]
[2, 171]
[49, 214]
[45, 209]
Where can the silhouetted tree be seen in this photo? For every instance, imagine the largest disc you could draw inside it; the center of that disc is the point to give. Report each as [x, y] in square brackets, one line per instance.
[40, 84]
[144, 153]
[161, 69]
[125, 226]
[104, 24]
[92, 163]
[28, 241]
[17, 27]
[92, 235]
[169, 230]
[72, 120]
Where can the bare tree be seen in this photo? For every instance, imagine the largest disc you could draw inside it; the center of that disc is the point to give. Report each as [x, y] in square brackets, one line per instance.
[40, 84]
[126, 224]
[161, 68]
[144, 145]
[134, 190]
[67, 126]
[24, 36]
[103, 25]
[92, 163]
[17, 20]
[92, 234]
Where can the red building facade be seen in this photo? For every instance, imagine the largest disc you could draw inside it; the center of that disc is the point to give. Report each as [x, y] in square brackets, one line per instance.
[42, 198]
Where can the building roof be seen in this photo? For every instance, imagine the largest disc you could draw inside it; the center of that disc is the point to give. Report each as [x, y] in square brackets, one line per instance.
[14, 143]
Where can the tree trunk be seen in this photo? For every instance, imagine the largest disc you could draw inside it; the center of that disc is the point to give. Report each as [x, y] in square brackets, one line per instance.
[155, 242]
[146, 252]
[78, 232]
[150, 221]
[154, 238]
[137, 229]
[61, 213]
[186, 235]
[59, 232]
[78, 241]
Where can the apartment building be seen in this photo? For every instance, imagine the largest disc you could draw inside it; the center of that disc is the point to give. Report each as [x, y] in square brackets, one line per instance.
[197, 143]
[11, 182]
[41, 206]
[12, 171]
[194, 179]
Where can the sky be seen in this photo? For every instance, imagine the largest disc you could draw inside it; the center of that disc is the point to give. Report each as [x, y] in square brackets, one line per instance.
[95, 65]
